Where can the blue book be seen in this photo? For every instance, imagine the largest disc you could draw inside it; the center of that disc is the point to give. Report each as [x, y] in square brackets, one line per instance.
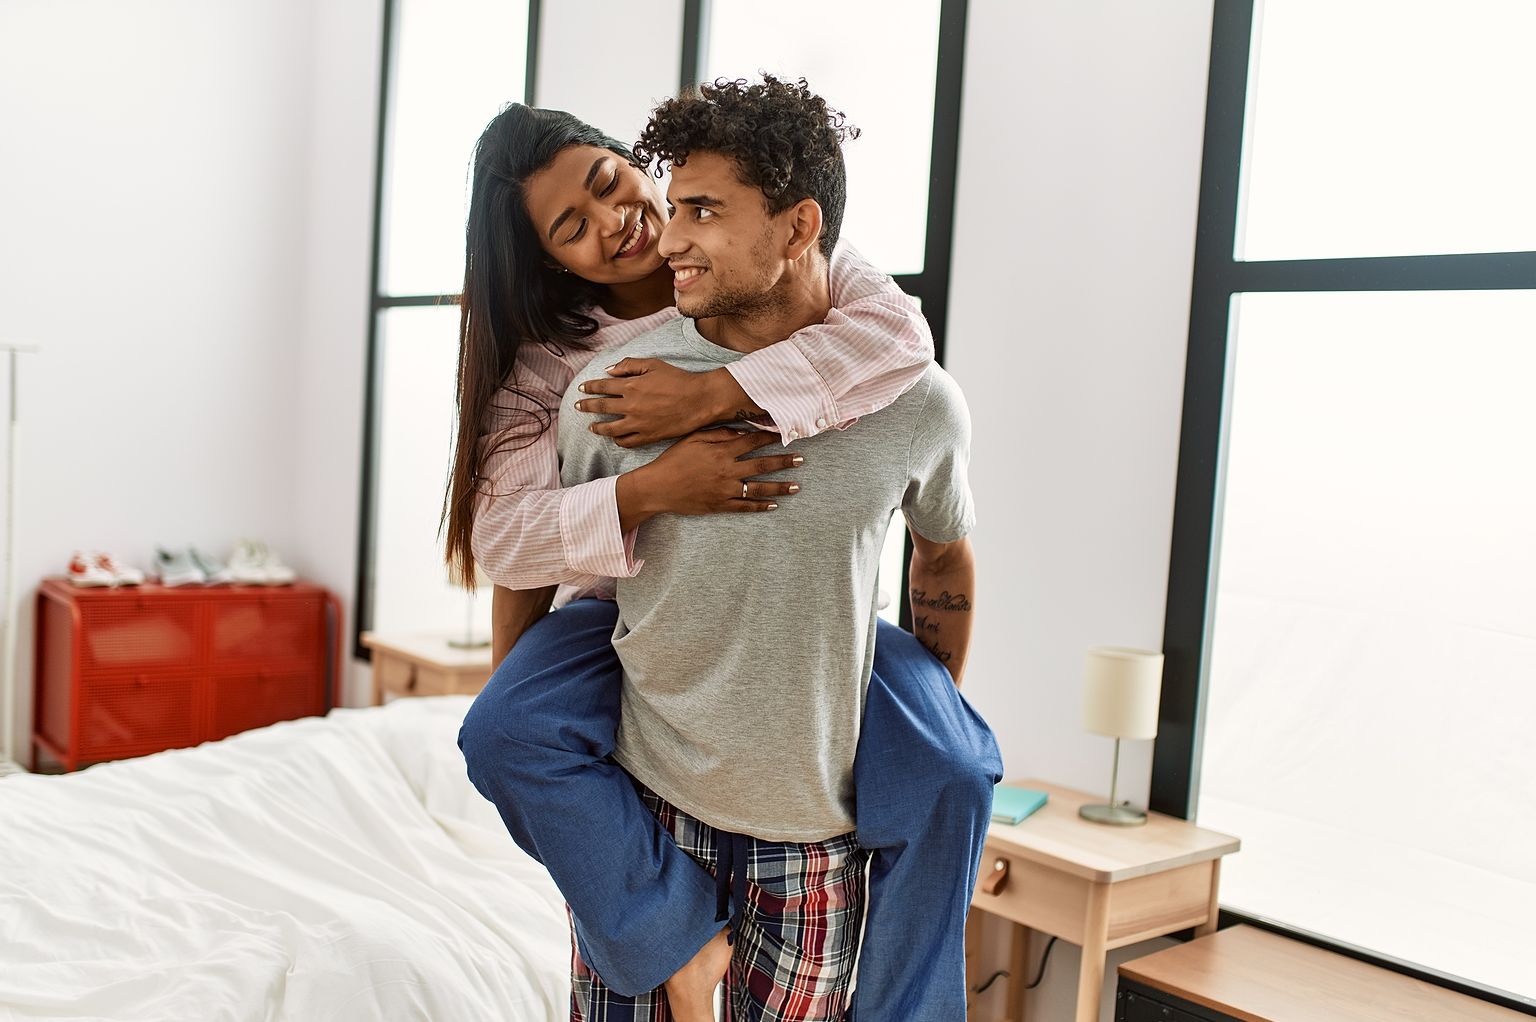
[1010, 803]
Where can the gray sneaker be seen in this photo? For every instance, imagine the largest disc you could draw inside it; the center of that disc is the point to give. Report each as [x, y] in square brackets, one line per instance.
[175, 568]
[216, 572]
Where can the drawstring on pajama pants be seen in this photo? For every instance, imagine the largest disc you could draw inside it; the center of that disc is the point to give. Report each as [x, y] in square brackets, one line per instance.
[731, 878]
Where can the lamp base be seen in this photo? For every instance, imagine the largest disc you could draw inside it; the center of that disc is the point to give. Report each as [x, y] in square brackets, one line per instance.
[1122, 815]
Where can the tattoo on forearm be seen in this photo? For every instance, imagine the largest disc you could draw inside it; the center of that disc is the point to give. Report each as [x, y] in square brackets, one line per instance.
[927, 628]
[944, 601]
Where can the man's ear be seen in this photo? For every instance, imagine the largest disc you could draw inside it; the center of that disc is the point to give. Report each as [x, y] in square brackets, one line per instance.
[805, 227]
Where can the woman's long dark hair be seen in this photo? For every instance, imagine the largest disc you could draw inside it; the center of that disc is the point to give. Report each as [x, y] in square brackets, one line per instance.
[512, 297]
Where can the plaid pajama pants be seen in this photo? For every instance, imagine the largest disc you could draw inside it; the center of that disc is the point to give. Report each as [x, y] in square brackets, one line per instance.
[794, 954]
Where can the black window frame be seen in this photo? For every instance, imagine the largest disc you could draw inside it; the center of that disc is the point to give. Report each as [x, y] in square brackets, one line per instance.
[1218, 276]
[931, 285]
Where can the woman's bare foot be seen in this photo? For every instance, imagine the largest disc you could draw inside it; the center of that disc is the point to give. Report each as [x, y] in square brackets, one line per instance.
[691, 990]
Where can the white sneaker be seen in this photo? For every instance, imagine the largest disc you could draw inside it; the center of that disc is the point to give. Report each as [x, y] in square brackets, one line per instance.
[245, 565]
[122, 574]
[84, 571]
[278, 573]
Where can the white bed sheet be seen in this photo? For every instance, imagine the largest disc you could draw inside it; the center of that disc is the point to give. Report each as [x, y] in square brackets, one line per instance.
[337, 868]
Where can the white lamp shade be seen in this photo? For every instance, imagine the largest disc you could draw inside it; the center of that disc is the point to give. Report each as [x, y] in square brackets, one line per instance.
[1120, 692]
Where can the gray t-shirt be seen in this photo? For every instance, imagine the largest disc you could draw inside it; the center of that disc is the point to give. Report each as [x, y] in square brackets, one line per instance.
[747, 639]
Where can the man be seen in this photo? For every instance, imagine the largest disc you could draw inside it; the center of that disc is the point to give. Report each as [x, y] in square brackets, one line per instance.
[747, 646]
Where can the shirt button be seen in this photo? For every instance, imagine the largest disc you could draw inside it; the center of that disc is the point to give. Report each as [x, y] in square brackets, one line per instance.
[792, 435]
[821, 423]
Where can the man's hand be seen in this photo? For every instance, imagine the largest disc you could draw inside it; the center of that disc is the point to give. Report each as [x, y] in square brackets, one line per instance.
[657, 401]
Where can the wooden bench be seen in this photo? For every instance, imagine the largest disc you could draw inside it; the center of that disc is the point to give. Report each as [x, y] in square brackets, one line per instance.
[1252, 975]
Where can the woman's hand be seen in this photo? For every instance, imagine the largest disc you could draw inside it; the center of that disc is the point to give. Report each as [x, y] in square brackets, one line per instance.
[700, 475]
[656, 401]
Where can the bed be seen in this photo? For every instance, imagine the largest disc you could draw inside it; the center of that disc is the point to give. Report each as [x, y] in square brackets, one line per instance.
[336, 868]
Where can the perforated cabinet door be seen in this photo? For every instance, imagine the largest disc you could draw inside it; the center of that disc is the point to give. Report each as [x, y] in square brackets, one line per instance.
[266, 627]
[133, 714]
[128, 633]
[244, 699]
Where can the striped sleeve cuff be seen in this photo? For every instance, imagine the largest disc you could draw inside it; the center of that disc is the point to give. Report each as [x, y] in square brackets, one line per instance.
[775, 377]
[589, 530]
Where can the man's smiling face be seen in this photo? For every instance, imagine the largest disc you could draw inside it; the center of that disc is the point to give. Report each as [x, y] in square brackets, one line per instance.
[725, 249]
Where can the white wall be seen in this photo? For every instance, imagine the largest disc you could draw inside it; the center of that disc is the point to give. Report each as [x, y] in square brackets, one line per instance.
[1074, 244]
[187, 221]
[331, 360]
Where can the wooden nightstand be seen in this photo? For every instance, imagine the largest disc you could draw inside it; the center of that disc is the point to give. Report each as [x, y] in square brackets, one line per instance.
[1098, 886]
[425, 665]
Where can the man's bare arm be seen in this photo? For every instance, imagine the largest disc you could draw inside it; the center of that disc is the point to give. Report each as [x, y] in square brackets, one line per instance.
[513, 612]
[943, 579]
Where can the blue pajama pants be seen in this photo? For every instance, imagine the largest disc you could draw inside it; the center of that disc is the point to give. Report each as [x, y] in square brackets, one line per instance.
[537, 743]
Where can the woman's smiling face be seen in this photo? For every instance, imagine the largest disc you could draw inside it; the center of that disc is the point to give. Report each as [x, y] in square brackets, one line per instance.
[596, 215]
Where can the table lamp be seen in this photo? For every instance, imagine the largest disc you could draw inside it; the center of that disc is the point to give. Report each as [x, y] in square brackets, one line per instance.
[1120, 696]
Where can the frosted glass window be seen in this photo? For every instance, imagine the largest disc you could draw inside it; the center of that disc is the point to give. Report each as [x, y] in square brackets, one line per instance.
[875, 60]
[411, 591]
[1372, 687]
[616, 96]
[457, 62]
[1390, 127]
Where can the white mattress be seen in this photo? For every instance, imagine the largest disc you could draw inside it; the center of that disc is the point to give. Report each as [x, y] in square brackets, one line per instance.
[326, 869]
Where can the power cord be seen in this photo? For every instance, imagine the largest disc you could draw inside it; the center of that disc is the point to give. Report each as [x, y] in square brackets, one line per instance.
[1039, 974]
[1043, 958]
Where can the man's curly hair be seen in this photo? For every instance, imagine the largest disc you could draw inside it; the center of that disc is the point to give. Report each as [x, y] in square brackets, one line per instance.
[784, 139]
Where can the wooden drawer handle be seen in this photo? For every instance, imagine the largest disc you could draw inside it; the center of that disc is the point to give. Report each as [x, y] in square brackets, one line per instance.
[997, 879]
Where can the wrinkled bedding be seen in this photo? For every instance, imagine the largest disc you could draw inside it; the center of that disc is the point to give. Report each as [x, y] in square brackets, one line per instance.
[336, 868]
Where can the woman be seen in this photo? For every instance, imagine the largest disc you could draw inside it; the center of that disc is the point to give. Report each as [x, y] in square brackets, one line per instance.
[562, 247]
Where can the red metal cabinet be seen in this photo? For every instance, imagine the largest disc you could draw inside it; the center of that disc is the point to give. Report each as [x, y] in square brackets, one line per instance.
[129, 671]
